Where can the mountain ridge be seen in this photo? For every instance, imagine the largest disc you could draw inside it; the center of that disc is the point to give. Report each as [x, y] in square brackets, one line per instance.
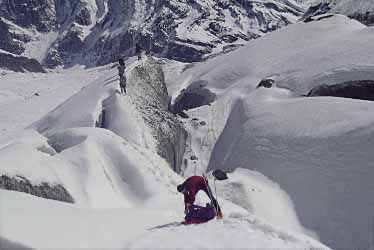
[99, 32]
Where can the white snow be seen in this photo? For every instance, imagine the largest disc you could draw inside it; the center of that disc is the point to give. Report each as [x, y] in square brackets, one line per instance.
[299, 166]
[124, 192]
[40, 44]
[20, 106]
[317, 149]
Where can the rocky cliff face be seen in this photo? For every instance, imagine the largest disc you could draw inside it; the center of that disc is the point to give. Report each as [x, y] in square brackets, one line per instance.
[96, 32]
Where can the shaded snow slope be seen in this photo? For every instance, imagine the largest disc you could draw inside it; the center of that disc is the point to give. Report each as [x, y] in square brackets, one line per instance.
[259, 195]
[320, 156]
[318, 150]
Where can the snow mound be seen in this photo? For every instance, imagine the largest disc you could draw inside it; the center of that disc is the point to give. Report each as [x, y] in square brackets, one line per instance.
[116, 173]
[262, 197]
[317, 149]
[37, 166]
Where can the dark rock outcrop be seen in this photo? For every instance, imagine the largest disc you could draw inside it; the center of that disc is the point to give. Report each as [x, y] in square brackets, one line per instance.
[6, 244]
[37, 14]
[318, 18]
[316, 10]
[196, 95]
[44, 190]
[362, 90]
[266, 83]
[366, 18]
[149, 92]
[20, 63]
[11, 41]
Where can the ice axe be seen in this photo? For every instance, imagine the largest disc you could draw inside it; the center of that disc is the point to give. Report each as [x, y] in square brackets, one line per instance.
[218, 175]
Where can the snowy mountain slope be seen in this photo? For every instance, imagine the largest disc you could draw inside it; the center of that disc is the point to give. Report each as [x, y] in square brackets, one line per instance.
[318, 149]
[124, 192]
[98, 32]
[26, 98]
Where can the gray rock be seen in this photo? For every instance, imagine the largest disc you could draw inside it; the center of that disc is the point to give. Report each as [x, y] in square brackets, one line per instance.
[316, 10]
[6, 244]
[44, 190]
[362, 90]
[149, 92]
[196, 95]
[20, 63]
[37, 14]
[266, 83]
[193, 157]
[11, 41]
[366, 18]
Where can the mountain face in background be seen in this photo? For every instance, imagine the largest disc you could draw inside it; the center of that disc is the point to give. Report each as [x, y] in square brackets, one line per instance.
[96, 32]
[361, 10]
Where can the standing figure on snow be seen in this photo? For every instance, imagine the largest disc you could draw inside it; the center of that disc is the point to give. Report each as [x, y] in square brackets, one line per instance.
[138, 50]
[190, 188]
[122, 76]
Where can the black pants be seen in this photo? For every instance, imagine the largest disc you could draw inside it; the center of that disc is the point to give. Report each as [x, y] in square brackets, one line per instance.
[122, 84]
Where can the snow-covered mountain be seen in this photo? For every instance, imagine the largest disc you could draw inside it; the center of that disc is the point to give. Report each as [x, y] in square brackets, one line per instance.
[361, 10]
[91, 168]
[98, 32]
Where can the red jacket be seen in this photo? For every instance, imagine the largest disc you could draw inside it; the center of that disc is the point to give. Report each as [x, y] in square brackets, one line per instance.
[193, 185]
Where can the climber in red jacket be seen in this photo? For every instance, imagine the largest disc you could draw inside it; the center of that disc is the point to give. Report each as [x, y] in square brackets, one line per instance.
[191, 187]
